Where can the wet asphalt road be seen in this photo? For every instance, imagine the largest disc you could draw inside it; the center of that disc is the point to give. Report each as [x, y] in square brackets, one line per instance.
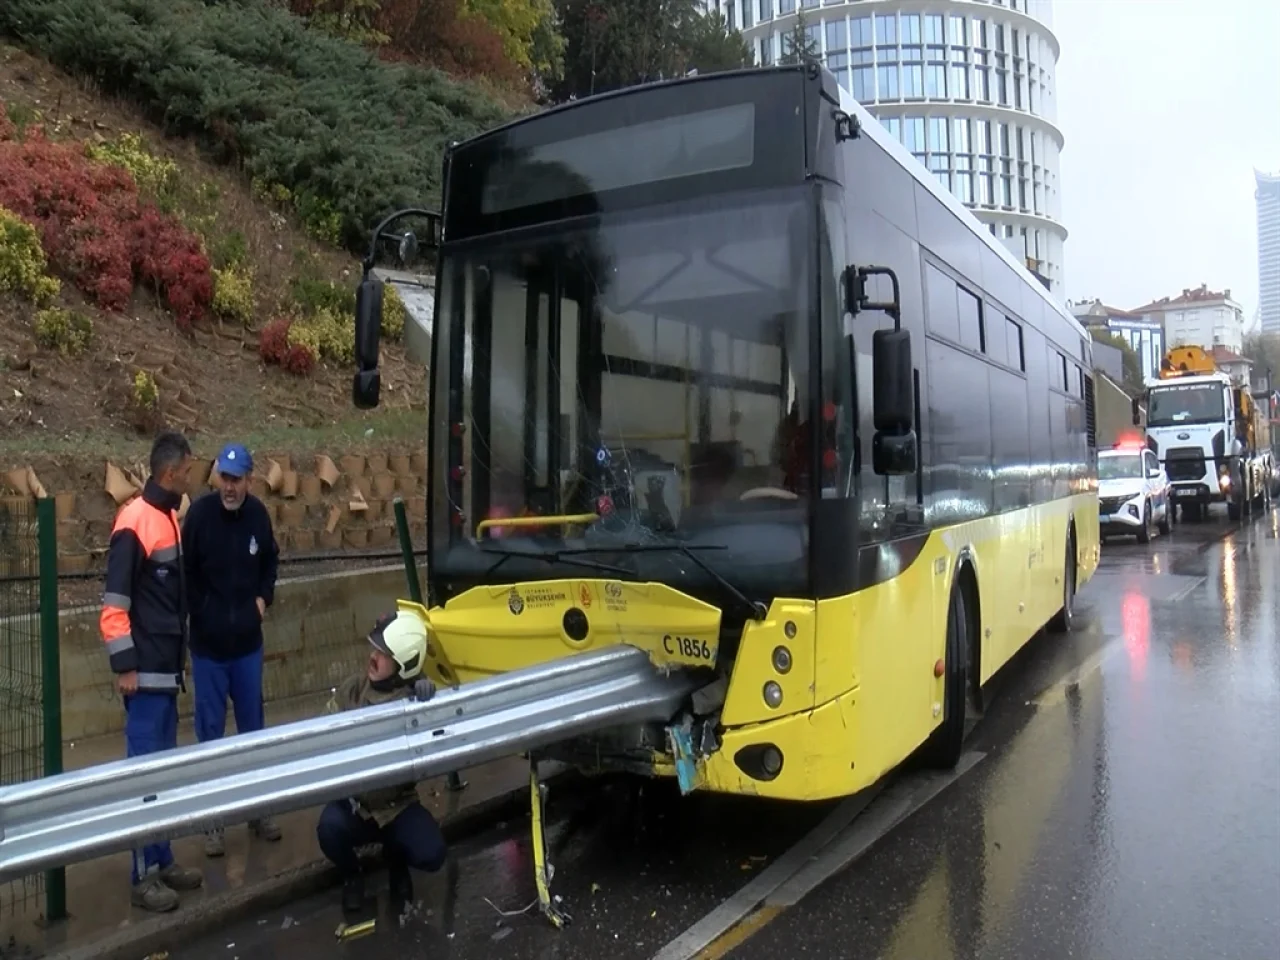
[1128, 807]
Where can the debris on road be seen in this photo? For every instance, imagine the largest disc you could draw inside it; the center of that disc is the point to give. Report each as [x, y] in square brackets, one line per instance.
[347, 932]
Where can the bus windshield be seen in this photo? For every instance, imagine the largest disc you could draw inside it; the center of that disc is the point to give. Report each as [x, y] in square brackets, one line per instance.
[1190, 403]
[650, 368]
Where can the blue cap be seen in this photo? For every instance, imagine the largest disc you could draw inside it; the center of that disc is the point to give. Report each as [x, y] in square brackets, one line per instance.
[234, 461]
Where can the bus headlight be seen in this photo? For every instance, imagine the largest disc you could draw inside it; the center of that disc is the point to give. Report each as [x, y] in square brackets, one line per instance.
[781, 659]
[773, 694]
[771, 761]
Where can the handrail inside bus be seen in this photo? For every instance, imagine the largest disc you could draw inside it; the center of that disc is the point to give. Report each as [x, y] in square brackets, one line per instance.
[562, 519]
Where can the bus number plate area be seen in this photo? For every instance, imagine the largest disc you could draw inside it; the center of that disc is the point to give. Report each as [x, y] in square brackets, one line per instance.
[689, 648]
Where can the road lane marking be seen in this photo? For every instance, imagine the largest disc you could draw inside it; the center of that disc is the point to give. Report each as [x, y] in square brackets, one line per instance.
[730, 913]
[893, 807]
[1183, 593]
[1057, 693]
[739, 934]
[840, 839]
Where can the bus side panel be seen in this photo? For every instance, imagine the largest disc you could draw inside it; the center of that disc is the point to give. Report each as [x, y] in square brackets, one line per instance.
[876, 697]
[894, 632]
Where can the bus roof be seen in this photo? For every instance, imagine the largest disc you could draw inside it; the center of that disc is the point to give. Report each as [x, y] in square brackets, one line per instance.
[871, 127]
[621, 92]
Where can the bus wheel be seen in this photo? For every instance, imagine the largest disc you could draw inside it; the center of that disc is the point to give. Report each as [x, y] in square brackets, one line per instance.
[942, 749]
[1065, 618]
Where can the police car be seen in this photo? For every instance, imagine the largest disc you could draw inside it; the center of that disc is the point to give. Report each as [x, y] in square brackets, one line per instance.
[1133, 492]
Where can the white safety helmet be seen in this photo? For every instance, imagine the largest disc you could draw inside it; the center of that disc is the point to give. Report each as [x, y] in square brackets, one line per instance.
[403, 638]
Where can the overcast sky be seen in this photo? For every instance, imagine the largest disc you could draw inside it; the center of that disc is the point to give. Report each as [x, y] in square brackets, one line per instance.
[1167, 106]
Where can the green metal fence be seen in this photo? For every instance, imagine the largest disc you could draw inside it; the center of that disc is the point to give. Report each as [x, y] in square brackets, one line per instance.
[30, 695]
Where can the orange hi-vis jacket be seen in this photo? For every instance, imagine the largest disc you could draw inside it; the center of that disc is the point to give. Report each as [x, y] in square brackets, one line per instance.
[144, 605]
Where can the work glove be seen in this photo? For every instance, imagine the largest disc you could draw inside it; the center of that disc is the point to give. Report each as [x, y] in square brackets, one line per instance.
[423, 689]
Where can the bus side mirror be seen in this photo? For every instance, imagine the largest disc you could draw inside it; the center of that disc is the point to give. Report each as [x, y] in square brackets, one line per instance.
[893, 448]
[367, 384]
[1137, 413]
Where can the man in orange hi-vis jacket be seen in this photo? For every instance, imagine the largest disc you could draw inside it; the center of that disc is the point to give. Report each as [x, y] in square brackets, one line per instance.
[144, 627]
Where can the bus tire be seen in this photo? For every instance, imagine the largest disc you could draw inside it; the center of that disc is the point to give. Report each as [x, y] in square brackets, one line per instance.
[942, 749]
[1065, 618]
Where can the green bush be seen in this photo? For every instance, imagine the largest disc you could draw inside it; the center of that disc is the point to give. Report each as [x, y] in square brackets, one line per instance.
[66, 331]
[329, 335]
[394, 312]
[229, 250]
[323, 118]
[233, 294]
[155, 176]
[22, 261]
[313, 295]
[146, 395]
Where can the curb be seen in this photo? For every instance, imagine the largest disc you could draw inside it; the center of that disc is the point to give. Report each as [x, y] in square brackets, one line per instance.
[167, 931]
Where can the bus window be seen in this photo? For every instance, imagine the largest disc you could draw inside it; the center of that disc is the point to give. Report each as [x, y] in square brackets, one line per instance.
[1017, 355]
[941, 307]
[969, 309]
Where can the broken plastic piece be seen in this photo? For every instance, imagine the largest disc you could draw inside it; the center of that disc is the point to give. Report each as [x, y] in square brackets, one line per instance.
[347, 932]
[682, 748]
[542, 869]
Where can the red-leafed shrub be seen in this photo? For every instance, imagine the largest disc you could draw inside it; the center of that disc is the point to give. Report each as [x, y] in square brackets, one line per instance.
[274, 348]
[96, 230]
[171, 259]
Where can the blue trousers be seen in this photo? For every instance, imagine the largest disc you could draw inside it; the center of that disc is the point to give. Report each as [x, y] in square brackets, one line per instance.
[215, 681]
[150, 725]
[412, 839]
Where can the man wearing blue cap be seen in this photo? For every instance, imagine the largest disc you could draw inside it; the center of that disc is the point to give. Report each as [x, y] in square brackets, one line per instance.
[231, 561]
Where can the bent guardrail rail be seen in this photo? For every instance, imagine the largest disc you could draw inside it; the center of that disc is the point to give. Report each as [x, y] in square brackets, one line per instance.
[126, 803]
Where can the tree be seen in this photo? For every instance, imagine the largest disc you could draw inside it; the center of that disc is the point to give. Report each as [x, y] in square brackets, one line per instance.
[1134, 381]
[349, 19]
[713, 46]
[527, 29]
[798, 46]
[1264, 350]
[611, 44]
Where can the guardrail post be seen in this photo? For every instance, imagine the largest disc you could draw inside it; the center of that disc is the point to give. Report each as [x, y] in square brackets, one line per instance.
[55, 881]
[455, 782]
[406, 550]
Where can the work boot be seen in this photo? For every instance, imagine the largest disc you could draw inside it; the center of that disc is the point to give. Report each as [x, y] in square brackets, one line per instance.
[182, 878]
[353, 894]
[401, 889]
[215, 843]
[265, 829]
[153, 894]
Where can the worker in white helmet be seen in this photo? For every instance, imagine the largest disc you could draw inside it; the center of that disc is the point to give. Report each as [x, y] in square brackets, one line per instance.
[391, 816]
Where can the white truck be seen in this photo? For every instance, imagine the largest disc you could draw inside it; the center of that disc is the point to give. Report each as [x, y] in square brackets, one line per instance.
[1205, 428]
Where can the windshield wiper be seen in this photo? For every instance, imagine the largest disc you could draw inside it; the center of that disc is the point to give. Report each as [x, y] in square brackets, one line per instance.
[754, 609]
[550, 556]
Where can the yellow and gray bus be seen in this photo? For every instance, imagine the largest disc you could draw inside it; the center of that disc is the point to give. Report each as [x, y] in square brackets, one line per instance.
[720, 371]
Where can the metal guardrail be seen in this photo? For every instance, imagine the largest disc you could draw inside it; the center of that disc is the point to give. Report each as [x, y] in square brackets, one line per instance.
[121, 805]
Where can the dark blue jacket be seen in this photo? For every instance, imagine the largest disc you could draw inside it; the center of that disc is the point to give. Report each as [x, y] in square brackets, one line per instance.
[231, 559]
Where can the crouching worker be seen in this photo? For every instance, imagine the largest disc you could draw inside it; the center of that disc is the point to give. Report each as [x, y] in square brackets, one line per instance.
[392, 816]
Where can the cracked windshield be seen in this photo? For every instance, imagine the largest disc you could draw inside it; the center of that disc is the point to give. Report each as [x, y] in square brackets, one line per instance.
[651, 372]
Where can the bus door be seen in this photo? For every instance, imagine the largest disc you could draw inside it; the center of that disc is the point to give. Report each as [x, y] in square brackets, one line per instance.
[555, 403]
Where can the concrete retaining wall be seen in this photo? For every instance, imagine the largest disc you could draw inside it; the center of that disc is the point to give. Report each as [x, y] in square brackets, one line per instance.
[314, 638]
